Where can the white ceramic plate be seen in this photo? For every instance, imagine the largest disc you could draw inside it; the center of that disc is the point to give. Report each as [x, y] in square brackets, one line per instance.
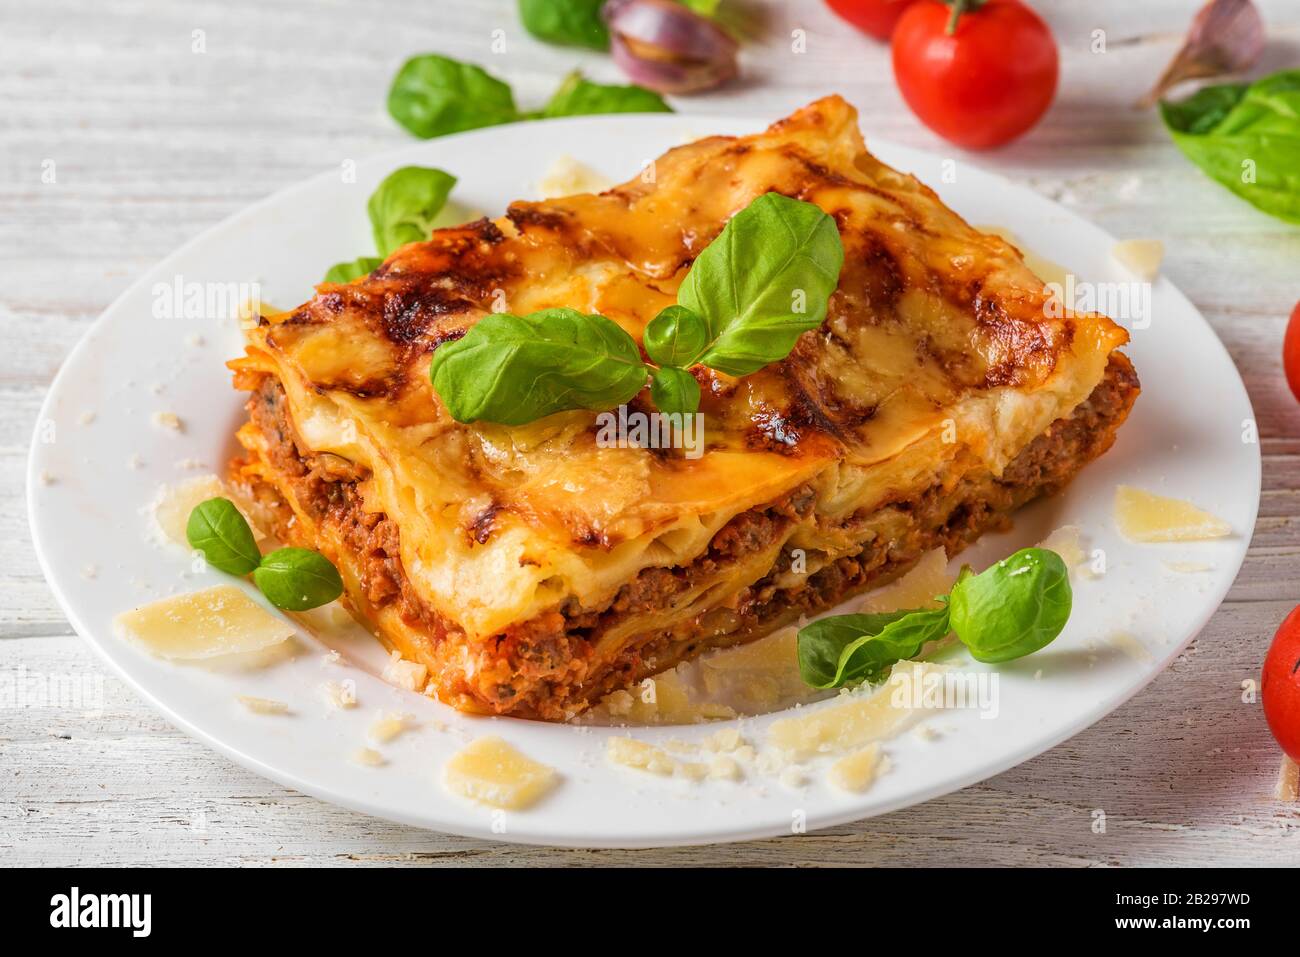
[90, 480]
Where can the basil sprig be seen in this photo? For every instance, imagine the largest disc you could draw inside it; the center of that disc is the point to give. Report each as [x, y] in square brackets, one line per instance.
[566, 22]
[434, 95]
[748, 296]
[402, 209]
[514, 369]
[762, 283]
[1010, 610]
[294, 579]
[218, 530]
[1246, 137]
[580, 97]
[355, 269]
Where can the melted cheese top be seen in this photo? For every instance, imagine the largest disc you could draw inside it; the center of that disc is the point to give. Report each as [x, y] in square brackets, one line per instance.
[937, 349]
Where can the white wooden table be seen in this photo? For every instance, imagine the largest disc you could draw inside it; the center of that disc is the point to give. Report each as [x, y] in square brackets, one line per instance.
[152, 142]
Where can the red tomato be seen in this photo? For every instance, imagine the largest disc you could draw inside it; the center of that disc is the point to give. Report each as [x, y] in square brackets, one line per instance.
[1291, 352]
[987, 82]
[1280, 685]
[876, 17]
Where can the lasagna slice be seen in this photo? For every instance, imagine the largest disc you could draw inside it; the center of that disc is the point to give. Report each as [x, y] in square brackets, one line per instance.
[535, 568]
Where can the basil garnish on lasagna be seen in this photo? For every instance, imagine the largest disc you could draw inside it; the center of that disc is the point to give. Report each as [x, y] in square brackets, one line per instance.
[533, 567]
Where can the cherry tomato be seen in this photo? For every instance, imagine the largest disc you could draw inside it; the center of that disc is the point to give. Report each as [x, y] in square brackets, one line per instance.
[1280, 685]
[1291, 352]
[984, 84]
[876, 17]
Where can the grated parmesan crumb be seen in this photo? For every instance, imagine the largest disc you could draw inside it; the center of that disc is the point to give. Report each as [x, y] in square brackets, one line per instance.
[168, 420]
[262, 705]
[407, 675]
[388, 726]
[723, 768]
[368, 757]
[340, 694]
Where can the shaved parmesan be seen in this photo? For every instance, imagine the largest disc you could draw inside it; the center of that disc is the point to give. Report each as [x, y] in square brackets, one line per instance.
[168, 420]
[631, 753]
[723, 768]
[1146, 517]
[1131, 646]
[1141, 257]
[856, 772]
[1045, 269]
[1065, 542]
[927, 579]
[340, 694]
[567, 176]
[262, 705]
[368, 757]
[203, 624]
[1188, 568]
[728, 739]
[172, 507]
[854, 720]
[753, 678]
[793, 779]
[388, 726]
[490, 771]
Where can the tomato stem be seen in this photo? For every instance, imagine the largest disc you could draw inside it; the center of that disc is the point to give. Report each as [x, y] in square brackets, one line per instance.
[958, 8]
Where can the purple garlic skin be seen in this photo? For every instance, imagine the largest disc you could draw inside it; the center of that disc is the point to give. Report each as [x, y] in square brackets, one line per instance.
[664, 46]
[1226, 36]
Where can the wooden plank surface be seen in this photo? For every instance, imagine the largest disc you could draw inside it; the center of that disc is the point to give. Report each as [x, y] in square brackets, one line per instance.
[153, 142]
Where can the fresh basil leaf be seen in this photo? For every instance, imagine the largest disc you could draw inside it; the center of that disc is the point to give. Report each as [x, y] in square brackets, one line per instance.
[675, 337]
[579, 97]
[1204, 110]
[403, 207]
[296, 579]
[435, 95]
[515, 369]
[1246, 138]
[1014, 607]
[346, 272]
[675, 390]
[218, 530]
[566, 22]
[847, 649]
[764, 282]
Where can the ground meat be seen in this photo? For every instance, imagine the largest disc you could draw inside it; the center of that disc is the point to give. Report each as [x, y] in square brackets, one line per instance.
[543, 667]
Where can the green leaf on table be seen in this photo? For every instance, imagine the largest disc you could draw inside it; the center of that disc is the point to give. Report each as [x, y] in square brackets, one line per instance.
[1246, 137]
[566, 22]
[435, 95]
[580, 97]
